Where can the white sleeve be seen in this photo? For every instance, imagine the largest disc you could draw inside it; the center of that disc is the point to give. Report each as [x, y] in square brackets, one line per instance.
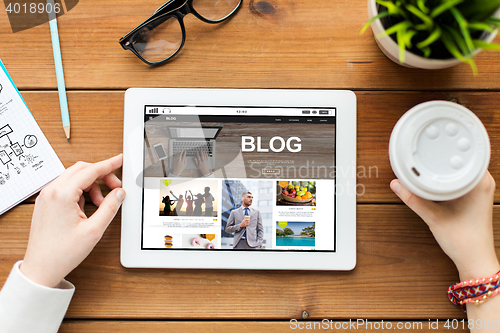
[26, 306]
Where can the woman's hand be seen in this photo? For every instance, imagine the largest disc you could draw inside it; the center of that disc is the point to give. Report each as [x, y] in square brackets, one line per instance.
[180, 161]
[202, 162]
[463, 227]
[62, 236]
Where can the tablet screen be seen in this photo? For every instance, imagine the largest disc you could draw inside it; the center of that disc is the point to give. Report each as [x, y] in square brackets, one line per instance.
[239, 178]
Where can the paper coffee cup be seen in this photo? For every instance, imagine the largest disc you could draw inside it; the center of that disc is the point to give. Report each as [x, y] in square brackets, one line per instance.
[439, 150]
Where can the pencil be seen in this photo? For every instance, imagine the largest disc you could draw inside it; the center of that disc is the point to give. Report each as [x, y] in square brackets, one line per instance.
[56, 49]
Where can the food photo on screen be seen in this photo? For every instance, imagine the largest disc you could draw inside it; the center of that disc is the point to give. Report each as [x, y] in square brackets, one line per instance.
[296, 193]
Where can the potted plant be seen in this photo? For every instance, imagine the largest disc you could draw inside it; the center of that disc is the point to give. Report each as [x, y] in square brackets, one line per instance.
[434, 34]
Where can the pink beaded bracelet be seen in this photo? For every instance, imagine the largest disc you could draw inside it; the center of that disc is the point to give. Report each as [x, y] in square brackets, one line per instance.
[475, 291]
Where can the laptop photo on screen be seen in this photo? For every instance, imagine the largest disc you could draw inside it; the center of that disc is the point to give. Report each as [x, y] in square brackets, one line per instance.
[192, 140]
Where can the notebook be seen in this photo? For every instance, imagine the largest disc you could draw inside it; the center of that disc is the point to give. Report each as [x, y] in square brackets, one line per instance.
[27, 160]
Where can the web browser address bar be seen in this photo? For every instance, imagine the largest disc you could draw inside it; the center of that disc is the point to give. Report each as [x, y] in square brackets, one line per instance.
[251, 111]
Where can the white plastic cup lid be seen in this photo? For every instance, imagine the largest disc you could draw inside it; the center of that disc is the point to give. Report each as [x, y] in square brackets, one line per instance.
[439, 150]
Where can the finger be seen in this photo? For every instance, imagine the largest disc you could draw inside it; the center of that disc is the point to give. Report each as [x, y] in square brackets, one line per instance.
[484, 190]
[81, 203]
[69, 172]
[112, 181]
[424, 208]
[108, 209]
[93, 172]
[486, 185]
[491, 181]
[95, 194]
[75, 168]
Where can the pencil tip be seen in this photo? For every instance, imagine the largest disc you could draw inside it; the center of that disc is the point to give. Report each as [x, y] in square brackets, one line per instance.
[66, 131]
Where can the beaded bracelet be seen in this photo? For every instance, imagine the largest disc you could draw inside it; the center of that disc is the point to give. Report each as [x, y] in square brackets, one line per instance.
[474, 291]
[483, 298]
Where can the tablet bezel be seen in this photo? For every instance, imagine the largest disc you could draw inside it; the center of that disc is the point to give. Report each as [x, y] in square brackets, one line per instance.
[131, 254]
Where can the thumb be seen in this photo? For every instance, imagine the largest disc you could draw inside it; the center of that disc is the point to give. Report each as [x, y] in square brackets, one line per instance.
[424, 208]
[108, 208]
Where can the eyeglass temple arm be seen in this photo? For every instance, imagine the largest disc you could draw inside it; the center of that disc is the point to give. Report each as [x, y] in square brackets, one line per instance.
[163, 6]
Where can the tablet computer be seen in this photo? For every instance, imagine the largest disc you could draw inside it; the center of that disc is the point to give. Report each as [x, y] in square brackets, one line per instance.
[239, 179]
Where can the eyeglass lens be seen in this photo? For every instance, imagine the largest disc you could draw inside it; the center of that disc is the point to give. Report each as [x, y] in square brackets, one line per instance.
[161, 38]
[214, 10]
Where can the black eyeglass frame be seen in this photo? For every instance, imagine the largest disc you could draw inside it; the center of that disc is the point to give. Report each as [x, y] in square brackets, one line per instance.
[164, 13]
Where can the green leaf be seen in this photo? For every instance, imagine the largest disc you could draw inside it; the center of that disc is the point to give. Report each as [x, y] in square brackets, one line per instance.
[444, 7]
[459, 40]
[452, 48]
[392, 8]
[462, 23]
[427, 51]
[473, 66]
[478, 10]
[450, 45]
[481, 44]
[422, 7]
[394, 29]
[401, 45]
[421, 27]
[434, 36]
[429, 23]
[407, 36]
[480, 26]
[373, 19]
[493, 21]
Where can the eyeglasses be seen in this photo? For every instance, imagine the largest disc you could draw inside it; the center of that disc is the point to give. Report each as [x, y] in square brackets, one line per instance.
[162, 36]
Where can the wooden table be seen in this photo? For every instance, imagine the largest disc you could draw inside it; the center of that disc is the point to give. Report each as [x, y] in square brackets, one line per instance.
[401, 274]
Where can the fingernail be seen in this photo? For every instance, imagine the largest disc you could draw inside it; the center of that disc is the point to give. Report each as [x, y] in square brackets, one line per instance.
[120, 194]
[395, 186]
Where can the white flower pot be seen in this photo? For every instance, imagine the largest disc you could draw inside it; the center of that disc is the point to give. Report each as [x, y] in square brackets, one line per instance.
[391, 49]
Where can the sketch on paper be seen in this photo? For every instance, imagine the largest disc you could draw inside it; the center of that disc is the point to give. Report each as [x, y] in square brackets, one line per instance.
[16, 156]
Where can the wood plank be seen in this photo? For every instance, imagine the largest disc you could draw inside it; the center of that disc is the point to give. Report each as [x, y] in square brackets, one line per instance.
[400, 268]
[70, 326]
[96, 125]
[97, 129]
[299, 44]
[378, 112]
